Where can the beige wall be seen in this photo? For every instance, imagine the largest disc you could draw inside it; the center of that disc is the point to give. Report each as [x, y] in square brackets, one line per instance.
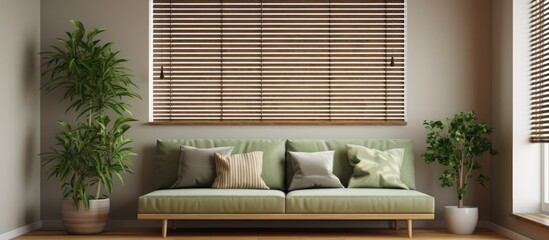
[448, 72]
[515, 175]
[19, 96]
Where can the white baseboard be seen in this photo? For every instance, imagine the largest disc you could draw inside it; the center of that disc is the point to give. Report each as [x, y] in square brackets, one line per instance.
[21, 230]
[506, 232]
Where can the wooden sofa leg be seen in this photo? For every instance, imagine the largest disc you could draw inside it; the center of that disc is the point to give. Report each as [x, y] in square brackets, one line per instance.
[164, 228]
[409, 223]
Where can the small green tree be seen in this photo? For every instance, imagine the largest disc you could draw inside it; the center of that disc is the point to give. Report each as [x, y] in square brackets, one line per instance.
[457, 144]
[95, 84]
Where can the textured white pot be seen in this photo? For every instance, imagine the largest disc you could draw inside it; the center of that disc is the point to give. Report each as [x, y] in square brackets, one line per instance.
[461, 220]
[85, 221]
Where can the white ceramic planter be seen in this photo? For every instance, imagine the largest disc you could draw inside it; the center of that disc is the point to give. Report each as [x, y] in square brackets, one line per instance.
[461, 220]
[85, 221]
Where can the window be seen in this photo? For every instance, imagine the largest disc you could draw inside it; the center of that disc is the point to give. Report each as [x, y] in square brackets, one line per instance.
[539, 61]
[278, 62]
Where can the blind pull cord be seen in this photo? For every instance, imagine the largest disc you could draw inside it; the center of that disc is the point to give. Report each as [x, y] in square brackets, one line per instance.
[161, 72]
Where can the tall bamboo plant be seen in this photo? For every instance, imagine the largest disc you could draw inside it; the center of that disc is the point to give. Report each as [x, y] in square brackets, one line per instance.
[457, 144]
[89, 154]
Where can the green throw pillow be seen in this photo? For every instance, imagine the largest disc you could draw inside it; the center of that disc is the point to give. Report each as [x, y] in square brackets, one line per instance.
[374, 168]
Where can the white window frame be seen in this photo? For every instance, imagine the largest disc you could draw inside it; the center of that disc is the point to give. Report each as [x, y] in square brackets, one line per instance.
[545, 178]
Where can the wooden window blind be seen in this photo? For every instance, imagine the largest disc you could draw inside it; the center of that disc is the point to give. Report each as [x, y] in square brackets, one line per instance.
[278, 62]
[539, 72]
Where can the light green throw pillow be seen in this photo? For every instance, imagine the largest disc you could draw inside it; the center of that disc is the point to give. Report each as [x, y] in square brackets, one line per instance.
[374, 168]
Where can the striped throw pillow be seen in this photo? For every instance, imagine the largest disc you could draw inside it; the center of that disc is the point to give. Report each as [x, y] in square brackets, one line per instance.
[239, 171]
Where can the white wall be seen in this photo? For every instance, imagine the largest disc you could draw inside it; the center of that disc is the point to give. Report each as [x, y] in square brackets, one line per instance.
[20, 122]
[448, 72]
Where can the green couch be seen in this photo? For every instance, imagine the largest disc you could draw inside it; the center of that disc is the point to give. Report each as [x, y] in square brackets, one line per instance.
[276, 203]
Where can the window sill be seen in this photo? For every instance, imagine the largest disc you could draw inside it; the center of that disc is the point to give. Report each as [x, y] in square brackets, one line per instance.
[536, 218]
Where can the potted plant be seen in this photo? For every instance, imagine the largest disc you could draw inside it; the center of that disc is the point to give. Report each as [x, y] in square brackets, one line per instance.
[457, 144]
[90, 153]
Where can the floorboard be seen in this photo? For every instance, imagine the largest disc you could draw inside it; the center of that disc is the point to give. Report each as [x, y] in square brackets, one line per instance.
[261, 234]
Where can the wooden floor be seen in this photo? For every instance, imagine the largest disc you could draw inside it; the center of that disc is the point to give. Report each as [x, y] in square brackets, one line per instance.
[263, 234]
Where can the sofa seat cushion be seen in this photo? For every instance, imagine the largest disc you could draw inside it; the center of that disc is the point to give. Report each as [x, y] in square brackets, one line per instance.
[208, 200]
[359, 201]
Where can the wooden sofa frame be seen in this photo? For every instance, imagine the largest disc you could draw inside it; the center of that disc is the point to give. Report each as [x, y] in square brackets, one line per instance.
[284, 216]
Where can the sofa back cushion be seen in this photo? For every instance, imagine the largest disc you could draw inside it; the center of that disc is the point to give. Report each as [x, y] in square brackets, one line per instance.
[168, 152]
[342, 168]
